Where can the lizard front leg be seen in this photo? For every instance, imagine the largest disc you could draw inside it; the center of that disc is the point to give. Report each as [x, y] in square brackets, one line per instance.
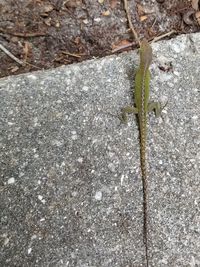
[127, 110]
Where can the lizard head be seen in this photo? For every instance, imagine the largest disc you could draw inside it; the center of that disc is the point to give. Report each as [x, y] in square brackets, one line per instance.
[145, 53]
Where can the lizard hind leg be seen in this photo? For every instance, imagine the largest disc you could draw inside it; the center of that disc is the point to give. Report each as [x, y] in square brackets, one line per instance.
[156, 107]
[127, 110]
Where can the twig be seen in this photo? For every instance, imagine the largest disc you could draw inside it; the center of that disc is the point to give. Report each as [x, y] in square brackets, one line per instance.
[16, 59]
[155, 39]
[28, 34]
[117, 49]
[72, 54]
[24, 35]
[11, 55]
[27, 63]
[130, 22]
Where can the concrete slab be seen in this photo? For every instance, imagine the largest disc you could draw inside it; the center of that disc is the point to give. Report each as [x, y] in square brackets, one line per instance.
[71, 191]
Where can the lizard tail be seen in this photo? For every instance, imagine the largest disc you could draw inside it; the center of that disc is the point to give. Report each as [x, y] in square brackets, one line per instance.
[145, 193]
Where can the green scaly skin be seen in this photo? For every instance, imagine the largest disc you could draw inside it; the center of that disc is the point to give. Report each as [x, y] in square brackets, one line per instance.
[142, 107]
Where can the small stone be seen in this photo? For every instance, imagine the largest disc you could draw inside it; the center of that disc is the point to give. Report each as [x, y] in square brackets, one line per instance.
[74, 135]
[11, 180]
[97, 19]
[6, 241]
[98, 195]
[33, 237]
[80, 160]
[85, 21]
[85, 88]
[41, 199]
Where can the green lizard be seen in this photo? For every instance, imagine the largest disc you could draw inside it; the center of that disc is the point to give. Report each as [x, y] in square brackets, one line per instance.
[142, 107]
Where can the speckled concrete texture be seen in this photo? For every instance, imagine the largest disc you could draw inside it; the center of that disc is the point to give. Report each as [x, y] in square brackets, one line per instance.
[71, 190]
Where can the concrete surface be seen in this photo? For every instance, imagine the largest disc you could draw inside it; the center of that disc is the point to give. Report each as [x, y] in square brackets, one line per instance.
[71, 192]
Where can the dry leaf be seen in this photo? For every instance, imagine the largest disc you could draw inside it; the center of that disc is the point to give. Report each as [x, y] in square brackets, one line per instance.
[142, 18]
[47, 21]
[57, 24]
[77, 40]
[14, 69]
[140, 10]
[113, 3]
[27, 50]
[197, 15]
[106, 13]
[195, 4]
[188, 17]
[121, 44]
[47, 8]
[100, 1]
[160, 1]
[73, 3]
[151, 32]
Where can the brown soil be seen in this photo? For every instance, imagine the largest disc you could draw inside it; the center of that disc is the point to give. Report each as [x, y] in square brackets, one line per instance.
[45, 34]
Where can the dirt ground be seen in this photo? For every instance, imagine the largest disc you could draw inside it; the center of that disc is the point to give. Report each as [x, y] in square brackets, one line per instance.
[44, 34]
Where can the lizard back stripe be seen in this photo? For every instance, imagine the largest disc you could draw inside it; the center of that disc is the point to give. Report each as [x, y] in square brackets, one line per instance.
[143, 161]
